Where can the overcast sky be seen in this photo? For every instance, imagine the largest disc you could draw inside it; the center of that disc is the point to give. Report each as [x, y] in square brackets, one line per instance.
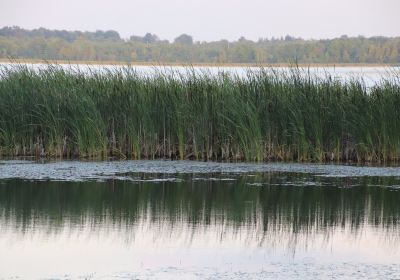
[210, 19]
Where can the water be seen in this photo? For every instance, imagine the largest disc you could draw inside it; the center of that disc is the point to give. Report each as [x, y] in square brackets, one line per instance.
[196, 220]
[370, 75]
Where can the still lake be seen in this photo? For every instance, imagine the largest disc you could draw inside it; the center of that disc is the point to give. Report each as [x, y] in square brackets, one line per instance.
[198, 220]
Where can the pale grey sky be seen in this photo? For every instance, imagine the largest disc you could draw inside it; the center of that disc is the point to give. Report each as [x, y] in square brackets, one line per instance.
[210, 19]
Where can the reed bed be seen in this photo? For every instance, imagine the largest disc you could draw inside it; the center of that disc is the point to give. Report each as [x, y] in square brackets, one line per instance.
[264, 115]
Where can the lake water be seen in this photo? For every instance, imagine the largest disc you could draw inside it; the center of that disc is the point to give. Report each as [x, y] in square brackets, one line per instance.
[370, 75]
[197, 220]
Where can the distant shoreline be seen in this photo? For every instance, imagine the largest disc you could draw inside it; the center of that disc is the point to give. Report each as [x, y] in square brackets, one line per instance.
[139, 63]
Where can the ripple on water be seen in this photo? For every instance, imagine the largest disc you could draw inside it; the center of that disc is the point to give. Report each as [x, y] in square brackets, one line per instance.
[275, 271]
[123, 170]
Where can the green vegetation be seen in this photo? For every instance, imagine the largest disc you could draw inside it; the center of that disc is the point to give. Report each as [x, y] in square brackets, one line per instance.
[44, 44]
[264, 115]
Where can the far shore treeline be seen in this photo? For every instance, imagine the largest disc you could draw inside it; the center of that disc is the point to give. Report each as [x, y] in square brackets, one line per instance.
[108, 46]
[267, 114]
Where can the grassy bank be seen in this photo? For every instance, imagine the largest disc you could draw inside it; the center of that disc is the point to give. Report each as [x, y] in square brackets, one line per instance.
[266, 115]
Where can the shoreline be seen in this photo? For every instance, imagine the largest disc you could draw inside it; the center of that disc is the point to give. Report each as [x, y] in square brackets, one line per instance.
[197, 64]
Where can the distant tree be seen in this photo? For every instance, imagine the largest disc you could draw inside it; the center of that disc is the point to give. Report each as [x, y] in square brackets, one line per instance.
[107, 35]
[289, 38]
[43, 43]
[150, 38]
[112, 35]
[184, 39]
[134, 38]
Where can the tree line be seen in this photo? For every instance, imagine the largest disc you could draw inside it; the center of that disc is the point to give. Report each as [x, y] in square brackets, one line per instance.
[16, 42]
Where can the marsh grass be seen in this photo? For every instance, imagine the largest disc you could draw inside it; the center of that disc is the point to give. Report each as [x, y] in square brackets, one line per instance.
[264, 115]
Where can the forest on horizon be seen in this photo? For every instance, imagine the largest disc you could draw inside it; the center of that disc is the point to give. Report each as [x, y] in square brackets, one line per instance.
[108, 46]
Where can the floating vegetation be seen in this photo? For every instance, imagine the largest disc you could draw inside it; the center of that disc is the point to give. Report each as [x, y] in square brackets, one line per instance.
[265, 115]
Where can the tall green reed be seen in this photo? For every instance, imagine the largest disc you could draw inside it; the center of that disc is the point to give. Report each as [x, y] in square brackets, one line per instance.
[265, 114]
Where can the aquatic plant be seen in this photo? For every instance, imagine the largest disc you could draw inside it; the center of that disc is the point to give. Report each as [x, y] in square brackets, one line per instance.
[266, 114]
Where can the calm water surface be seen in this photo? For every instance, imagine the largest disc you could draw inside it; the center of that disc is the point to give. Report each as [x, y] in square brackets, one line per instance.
[194, 220]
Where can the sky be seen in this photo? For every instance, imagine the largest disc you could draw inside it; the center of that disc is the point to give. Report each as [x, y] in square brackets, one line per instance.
[209, 20]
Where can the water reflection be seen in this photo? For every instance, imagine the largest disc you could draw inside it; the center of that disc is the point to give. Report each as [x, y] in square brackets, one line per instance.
[293, 203]
[255, 218]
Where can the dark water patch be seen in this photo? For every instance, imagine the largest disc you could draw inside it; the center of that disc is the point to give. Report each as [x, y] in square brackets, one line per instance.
[198, 203]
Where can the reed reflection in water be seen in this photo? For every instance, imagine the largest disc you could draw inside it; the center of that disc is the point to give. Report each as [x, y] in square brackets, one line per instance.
[216, 221]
